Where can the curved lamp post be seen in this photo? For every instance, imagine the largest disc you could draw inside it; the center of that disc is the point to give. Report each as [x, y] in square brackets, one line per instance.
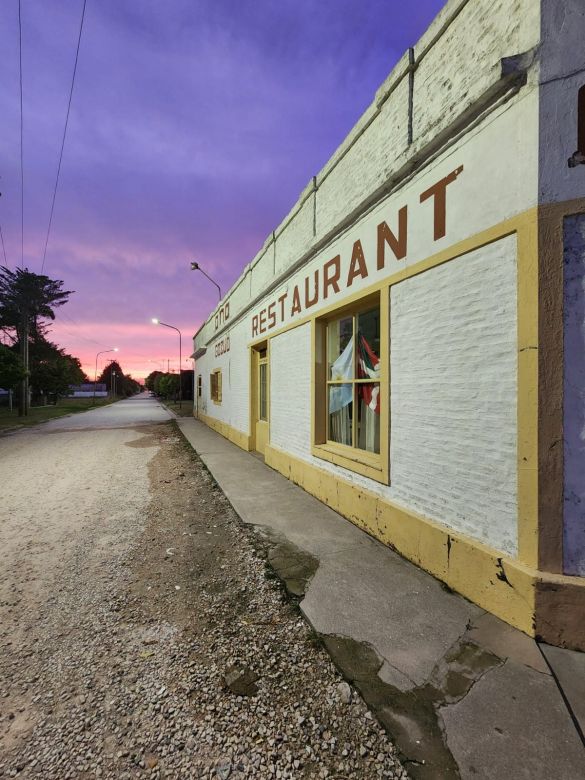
[156, 321]
[103, 352]
[197, 267]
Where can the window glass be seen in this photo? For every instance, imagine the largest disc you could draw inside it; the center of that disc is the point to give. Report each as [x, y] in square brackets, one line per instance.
[353, 385]
[340, 348]
[368, 416]
[341, 413]
[368, 347]
[215, 386]
[263, 398]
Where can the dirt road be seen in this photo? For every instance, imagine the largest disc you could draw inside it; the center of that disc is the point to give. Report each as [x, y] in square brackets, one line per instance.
[140, 631]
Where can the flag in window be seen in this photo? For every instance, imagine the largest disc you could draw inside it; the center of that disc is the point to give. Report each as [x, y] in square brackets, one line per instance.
[368, 368]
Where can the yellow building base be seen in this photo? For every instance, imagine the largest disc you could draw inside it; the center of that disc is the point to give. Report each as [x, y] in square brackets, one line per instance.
[547, 606]
[236, 437]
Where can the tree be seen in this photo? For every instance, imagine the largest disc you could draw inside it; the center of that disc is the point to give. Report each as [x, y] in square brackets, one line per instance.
[150, 380]
[131, 386]
[114, 378]
[52, 370]
[26, 298]
[12, 370]
[167, 385]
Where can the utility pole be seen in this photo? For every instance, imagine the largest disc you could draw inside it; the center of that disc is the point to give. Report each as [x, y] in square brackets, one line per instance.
[23, 394]
[103, 352]
[156, 321]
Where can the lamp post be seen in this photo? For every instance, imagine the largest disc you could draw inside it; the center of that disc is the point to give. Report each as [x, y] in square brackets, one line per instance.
[156, 321]
[197, 267]
[103, 352]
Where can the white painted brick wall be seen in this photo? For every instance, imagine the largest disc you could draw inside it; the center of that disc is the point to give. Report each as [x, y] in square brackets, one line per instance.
[296, 238]
[453, 396]
[234, 407]
[461, 65]
[454, 388]
[466, 61]
[290, 391]
[367, 164]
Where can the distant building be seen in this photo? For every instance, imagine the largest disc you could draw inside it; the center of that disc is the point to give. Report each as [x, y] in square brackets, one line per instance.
[87, 390]
[409, 343]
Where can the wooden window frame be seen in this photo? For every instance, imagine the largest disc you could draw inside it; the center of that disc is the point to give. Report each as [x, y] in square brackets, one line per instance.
[215, 386]
[376, 466]
[199, 385]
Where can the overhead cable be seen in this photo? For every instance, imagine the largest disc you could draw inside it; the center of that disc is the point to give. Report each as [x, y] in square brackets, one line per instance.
[3, 247]
[21, 142]
[64, 136]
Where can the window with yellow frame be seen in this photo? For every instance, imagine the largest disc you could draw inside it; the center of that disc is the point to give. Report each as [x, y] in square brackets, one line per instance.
[351, 387]
[215, 385]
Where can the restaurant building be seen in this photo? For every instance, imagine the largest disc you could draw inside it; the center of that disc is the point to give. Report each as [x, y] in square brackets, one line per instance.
[409, 343]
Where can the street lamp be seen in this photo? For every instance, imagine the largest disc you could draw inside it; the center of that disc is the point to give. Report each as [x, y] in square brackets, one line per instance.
[197, 267]
[156, 321]
[103, 352]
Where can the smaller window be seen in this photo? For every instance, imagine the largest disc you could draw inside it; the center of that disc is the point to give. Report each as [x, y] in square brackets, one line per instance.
[199, 386]
[215, 385]
[263, 391]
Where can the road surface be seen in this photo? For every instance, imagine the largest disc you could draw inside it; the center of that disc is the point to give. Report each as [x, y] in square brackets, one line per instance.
[139, 632]
[65, 485]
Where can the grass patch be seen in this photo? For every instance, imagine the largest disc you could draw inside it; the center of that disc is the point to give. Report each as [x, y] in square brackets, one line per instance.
[39, 414]
[186, 409]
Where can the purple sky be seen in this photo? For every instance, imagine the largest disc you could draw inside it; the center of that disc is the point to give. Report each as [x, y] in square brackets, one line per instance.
[194, 126]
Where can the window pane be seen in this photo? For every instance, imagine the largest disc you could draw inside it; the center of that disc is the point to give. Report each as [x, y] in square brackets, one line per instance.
[263, 413]
[340, 348]
[368, 344]
[368, 421]
[340, 413]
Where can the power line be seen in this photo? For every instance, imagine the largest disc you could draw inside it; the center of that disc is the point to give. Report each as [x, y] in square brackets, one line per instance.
[3, 247]
[64, 135]
[21, 143]
[89, 340]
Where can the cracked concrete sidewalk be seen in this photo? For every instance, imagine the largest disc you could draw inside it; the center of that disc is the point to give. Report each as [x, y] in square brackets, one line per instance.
[462, 693]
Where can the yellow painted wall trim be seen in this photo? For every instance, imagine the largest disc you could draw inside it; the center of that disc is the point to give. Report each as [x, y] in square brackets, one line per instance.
[499, 584]
[232, 434]
[495, 233]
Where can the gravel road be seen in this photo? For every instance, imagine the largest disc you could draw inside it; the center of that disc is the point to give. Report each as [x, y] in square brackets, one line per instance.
[141, 632]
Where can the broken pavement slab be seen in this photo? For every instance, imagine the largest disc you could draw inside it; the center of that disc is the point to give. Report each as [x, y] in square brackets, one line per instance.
[568, 666]
[513, 722]
[458, 690]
